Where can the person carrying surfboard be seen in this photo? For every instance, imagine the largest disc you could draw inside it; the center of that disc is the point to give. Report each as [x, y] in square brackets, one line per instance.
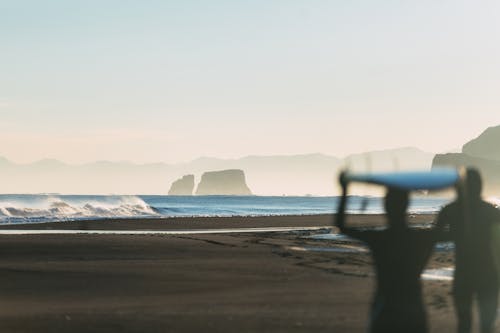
[470, 221]
[400, 255]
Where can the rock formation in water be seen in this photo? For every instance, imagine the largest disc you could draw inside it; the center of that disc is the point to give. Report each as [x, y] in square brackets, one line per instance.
[182, 186]
[482, 153]
[225, 182]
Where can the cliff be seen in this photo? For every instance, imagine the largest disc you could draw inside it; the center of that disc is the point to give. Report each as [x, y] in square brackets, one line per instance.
[182, 186]
[225, 182]
[485, 145]
[482, 153]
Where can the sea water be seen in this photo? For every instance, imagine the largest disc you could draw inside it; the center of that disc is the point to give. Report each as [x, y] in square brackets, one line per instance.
[33, 208]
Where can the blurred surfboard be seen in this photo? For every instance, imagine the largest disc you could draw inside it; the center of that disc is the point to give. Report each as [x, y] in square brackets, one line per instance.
[410, 180]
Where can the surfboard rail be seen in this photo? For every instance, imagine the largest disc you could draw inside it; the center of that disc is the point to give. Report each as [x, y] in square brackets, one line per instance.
[434, 179]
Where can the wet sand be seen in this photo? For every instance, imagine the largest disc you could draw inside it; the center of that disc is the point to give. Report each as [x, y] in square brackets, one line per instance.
[188, 283]
[186, 223]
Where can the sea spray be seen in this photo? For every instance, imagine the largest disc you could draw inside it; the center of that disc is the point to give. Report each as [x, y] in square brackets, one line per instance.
[42, 208]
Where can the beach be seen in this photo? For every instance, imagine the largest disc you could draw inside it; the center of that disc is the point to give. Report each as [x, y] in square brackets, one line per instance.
[241, 281]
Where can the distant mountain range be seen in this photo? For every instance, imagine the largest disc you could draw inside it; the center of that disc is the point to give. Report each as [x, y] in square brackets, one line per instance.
[266, 175]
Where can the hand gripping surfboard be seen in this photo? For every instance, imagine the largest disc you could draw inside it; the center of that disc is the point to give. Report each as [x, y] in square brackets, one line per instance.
[434, 179]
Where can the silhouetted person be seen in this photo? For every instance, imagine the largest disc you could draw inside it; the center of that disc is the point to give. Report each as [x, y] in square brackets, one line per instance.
[399, 255]
[470, 221]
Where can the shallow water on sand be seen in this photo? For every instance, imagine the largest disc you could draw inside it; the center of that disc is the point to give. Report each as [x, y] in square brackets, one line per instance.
[439, 274]
[156, 232]
[350, 245]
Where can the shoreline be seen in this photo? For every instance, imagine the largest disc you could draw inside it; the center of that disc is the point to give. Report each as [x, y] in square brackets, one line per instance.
[172, 223]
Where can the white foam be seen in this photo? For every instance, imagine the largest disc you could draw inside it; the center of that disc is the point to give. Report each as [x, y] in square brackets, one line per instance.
[55, 208]
[439, 274]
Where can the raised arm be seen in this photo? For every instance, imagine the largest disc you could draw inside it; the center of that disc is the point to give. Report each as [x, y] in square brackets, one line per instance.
[367, 236]
[340, 216]
[363, 235]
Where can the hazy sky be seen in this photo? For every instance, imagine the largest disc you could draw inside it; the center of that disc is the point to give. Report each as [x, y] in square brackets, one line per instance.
[173, 80]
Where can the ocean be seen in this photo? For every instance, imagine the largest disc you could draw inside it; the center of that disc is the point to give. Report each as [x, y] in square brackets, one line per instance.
[29, 208]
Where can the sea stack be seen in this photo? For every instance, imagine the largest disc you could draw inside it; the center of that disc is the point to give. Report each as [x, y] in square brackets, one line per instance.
[224, 182]
[182, 186]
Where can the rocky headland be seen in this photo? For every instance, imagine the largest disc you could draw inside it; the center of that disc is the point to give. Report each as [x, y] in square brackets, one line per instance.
[482, 153]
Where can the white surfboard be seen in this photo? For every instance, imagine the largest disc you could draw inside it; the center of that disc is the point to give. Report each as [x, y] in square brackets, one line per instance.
[434, 179]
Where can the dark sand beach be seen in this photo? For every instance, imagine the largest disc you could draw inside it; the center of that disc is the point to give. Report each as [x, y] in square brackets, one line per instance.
[245, 282]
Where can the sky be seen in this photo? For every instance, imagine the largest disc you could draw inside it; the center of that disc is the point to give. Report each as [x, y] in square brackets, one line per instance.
[169, 81]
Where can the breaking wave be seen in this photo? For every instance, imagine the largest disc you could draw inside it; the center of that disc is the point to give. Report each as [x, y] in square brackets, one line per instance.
[34, 208]
[42, 208]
